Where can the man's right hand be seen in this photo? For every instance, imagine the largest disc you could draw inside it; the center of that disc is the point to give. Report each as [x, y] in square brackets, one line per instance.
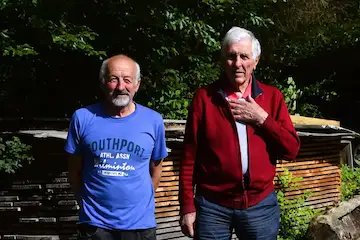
[187, 223]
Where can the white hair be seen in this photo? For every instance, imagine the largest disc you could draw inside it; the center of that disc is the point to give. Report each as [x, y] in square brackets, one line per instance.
[239, 34]
[104, 69]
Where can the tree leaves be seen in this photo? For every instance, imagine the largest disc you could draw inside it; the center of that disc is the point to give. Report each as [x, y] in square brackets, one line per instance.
[177, 44]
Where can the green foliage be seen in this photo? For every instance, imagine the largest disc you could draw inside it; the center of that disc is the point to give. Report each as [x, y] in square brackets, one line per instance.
[297, 100]
[294, 215]
[75, 38]
[13, 155]
[172, 104]
[23, 16]
[19, 50]
[49, 45]
[291, 94]
[350, 182]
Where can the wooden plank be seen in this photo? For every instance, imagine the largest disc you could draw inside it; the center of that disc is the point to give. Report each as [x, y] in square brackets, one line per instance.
[168, 224]
[311, 166]
[170, 168]
[311, 186]
[167, 214]
[167, 204]
[324, 196]
[169, 198]
[167, 184]
[167, 209]
[314, 171]
[313, 121]
[316, 202]
[172, 163]
[304, 159]
[313, 178]
[168, 230]
[317, 193]
[162, 189]
[166, 174]
[170, 178]
[169, 193]
[168, 236]
[167, 219]
[318, 189]
[307, 162]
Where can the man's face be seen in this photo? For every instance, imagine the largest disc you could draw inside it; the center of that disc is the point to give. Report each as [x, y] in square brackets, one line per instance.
[239, 63]
[120, 83]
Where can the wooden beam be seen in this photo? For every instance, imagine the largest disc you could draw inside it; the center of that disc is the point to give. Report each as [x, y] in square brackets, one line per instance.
[313, 121]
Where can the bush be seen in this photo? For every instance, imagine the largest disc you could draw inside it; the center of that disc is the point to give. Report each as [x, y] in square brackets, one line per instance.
[350, 182]
[294, 216]
[13, 154]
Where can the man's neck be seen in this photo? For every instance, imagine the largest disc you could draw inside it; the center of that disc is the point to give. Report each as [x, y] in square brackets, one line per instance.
[242, 88]
[119, 112]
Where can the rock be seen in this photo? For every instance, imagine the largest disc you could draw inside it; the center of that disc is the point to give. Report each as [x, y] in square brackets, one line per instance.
[340, 223]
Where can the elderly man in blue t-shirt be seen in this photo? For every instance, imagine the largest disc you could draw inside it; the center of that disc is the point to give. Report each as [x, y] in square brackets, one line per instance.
[112, 145]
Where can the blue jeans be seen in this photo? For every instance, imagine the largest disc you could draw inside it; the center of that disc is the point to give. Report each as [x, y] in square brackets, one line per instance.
[259, 222]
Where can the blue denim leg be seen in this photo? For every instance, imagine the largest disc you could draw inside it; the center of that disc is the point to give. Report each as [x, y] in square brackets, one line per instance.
[212, 221]
[259, 222]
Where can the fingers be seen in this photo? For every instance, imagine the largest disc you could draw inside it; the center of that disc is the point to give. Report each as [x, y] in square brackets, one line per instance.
[187, 223]
[188, 230]
[191, 230]
[235, 101]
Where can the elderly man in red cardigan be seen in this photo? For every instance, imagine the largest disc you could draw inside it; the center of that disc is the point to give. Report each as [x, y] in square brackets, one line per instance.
[237, 128]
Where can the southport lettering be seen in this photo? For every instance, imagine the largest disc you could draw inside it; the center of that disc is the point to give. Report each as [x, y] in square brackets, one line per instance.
[116, 144]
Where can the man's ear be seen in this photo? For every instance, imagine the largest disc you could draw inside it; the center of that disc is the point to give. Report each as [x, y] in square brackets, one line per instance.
[256, 61]
[137, 85]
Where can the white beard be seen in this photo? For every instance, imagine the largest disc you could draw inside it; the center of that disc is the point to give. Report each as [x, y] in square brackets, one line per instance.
[121, 100]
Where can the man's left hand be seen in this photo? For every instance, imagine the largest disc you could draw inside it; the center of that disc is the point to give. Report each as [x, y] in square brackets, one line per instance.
[248, 111]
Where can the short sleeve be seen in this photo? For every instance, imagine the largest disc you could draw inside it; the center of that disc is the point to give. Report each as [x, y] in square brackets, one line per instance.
[159, 151]
[72, 144]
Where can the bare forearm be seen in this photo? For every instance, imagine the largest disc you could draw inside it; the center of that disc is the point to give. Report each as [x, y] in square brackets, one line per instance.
[156, 180]
[75, 174]
[75, 181]
[155, 172]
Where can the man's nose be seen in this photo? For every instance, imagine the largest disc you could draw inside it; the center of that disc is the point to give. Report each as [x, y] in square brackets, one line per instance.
[238, 61]
[120, 85]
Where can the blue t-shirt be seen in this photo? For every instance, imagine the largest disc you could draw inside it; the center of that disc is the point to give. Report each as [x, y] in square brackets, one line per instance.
[117, 192]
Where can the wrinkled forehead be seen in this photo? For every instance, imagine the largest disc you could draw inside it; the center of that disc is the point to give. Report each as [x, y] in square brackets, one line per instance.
[123, 65]
[239, 46]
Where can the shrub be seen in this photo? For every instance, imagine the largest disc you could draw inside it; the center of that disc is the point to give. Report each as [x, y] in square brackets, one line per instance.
[350, 182]
[13, 154]
[294, 216]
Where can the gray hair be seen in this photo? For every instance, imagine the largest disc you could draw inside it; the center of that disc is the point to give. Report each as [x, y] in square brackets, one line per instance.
[104, 69]
[238, 34]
